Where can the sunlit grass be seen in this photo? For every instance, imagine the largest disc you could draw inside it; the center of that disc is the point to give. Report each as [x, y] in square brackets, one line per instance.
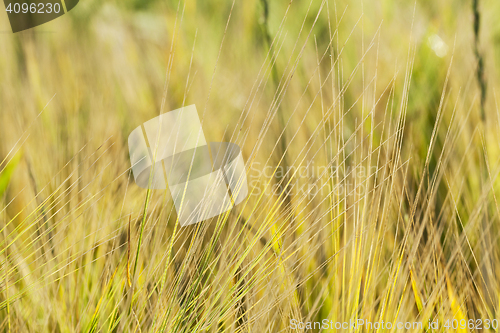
[372, 175]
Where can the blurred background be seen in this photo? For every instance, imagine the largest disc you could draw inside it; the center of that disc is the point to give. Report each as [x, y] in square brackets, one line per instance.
[393, 105]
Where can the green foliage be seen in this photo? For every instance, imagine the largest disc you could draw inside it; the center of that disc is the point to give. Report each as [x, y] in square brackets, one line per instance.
[8, 171]
[372, 107]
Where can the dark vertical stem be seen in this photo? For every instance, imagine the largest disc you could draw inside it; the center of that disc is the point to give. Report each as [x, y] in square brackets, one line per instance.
[241, 306]
[283, 180]
[479, 57]
[284, 176]
[487, 265]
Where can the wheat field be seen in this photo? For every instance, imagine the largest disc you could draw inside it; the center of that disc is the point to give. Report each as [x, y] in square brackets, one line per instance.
[370, 132]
